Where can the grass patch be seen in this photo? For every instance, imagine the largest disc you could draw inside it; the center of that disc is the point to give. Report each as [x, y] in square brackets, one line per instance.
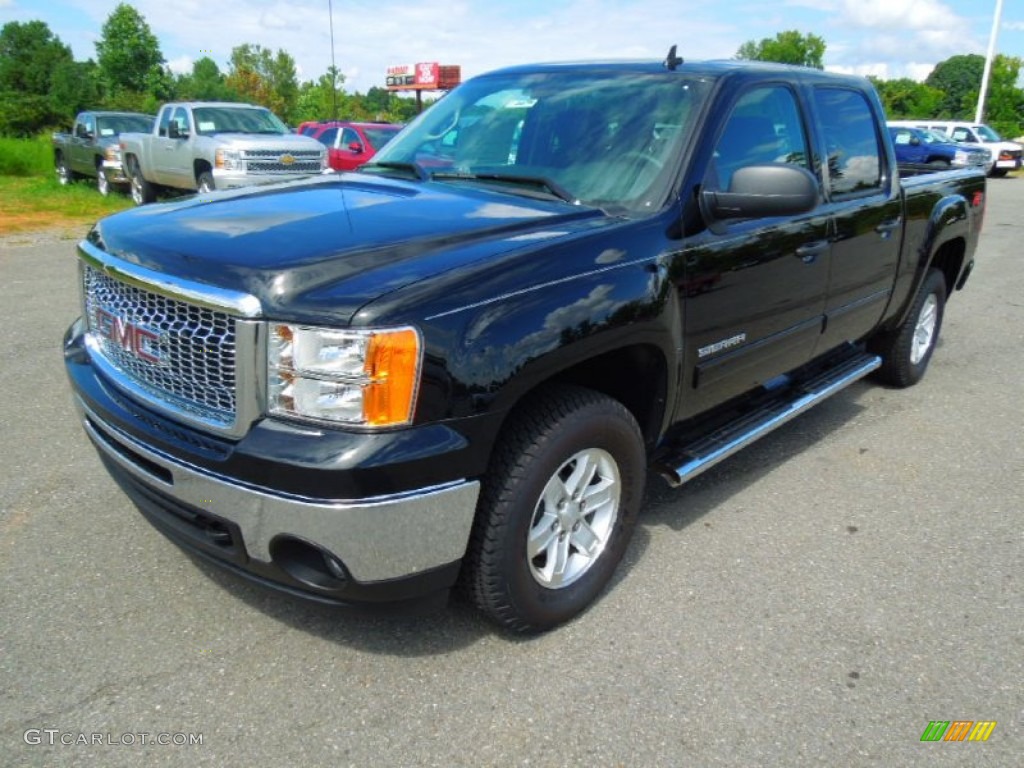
[39, 202]
[26, 157]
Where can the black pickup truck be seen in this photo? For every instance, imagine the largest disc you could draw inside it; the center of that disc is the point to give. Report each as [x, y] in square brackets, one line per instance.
[456, 366]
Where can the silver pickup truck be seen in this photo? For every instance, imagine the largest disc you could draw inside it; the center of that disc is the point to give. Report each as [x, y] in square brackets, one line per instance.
[202, 146]
[92, 149]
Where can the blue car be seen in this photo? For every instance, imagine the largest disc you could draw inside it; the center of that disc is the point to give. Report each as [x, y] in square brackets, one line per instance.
[919, 146]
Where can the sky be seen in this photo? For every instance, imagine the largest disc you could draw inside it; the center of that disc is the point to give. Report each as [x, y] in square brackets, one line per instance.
[887, 38]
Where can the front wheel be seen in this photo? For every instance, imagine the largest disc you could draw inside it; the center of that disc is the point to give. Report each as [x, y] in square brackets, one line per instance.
[205, 183]
[557, 509]
[907, 350]
[102, 183]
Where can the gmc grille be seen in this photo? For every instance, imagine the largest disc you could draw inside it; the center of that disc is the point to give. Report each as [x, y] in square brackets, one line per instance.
[187, 356]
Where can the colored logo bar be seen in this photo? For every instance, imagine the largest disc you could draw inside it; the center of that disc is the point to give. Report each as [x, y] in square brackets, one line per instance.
[958, 730]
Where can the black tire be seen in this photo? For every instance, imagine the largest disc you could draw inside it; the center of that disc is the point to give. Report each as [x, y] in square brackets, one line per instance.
[205, 183]
[939, 164]
[998, 173]
[142, 191]
[561, 431]
[907, 350]
[65, 175]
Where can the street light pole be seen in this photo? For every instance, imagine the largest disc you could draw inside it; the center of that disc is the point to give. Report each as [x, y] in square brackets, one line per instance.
[988, 61]
[334, 68]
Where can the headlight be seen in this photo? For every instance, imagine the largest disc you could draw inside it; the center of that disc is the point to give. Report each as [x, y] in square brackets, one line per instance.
[323, 160]
[961, 158]
[112, 154]
[228, 159]
[343, 376]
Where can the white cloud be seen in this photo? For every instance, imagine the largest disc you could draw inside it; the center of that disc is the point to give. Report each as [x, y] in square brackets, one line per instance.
[181, 65]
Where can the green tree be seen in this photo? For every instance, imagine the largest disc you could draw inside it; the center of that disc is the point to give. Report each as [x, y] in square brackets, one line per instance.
[129, 57]
[205, 83]
[790, 47]
[959, 79]
[32, 61]
[323, 99]
[906, 98]
[1004, 104]
[260, 76]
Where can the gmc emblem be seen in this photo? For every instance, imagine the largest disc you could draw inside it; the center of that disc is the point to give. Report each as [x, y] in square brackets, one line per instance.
[131, 338]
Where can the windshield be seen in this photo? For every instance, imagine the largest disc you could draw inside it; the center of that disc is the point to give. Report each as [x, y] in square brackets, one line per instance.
[933, 137]
[210, 120]
[611, 140]
[987, 134]
[115, 124]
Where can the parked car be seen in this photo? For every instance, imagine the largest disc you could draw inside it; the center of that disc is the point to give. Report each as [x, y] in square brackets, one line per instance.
[92, 149]
[373, 386]
[202, 146]
[350, 145]
[922, 147]
[1006, 155]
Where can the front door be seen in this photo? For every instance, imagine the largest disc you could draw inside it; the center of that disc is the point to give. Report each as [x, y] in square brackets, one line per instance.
[753, 291]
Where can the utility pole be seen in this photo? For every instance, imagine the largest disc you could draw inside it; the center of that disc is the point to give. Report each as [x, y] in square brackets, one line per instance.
[996, 22]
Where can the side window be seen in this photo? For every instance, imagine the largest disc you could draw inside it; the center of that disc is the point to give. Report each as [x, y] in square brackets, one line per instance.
[87, 126]
[165, 120]
[854, 154]
[349, 137]
[327, 137]
[764, 127]
[181, 118]
[901, 137]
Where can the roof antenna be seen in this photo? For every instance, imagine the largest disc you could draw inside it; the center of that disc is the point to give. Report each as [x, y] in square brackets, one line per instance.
[672, 61]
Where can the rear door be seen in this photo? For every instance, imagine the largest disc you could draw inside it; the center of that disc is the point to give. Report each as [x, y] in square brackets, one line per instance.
[753, 291]
[865, 205]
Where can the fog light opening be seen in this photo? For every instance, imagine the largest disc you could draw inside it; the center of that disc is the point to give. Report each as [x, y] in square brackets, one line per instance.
[308, 563]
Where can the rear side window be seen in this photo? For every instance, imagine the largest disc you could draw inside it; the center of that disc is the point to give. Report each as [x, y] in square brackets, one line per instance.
[327, 137]
[854, 153]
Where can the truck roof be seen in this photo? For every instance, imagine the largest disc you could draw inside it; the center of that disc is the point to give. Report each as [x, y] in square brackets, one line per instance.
[194, 104]
[712, 68]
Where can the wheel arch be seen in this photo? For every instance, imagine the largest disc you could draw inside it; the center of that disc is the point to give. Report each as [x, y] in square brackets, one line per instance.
[199, 167]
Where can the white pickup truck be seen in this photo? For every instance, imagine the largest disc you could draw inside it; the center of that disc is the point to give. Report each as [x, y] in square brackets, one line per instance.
[202, 146]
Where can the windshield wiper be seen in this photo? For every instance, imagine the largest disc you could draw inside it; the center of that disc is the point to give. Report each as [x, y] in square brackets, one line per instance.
[553, 188]
[418, 170]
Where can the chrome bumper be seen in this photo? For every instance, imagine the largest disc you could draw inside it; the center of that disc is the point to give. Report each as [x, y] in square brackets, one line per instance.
[377, 539]
[114, 172]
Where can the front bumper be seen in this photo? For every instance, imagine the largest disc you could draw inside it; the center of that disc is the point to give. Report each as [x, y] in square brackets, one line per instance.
[396, 545]
[114, 171]
[223, 179]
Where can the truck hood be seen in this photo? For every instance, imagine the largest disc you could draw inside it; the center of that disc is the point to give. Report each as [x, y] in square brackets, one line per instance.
[281, 142]
[322, 248]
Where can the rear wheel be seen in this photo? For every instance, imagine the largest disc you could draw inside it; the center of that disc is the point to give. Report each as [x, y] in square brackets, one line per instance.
[998, 173]
[64, 174]
[557, 509]
[907, 350]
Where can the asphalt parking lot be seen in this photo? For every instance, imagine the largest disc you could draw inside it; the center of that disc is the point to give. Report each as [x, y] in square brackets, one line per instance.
[817, 599]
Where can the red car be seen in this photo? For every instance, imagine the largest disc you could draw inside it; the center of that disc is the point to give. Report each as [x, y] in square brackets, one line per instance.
[349, 145]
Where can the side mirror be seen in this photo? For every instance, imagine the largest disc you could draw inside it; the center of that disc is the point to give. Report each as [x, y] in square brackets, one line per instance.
[760, 191]
[915, 142]
[173, 132]
[356, 147]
